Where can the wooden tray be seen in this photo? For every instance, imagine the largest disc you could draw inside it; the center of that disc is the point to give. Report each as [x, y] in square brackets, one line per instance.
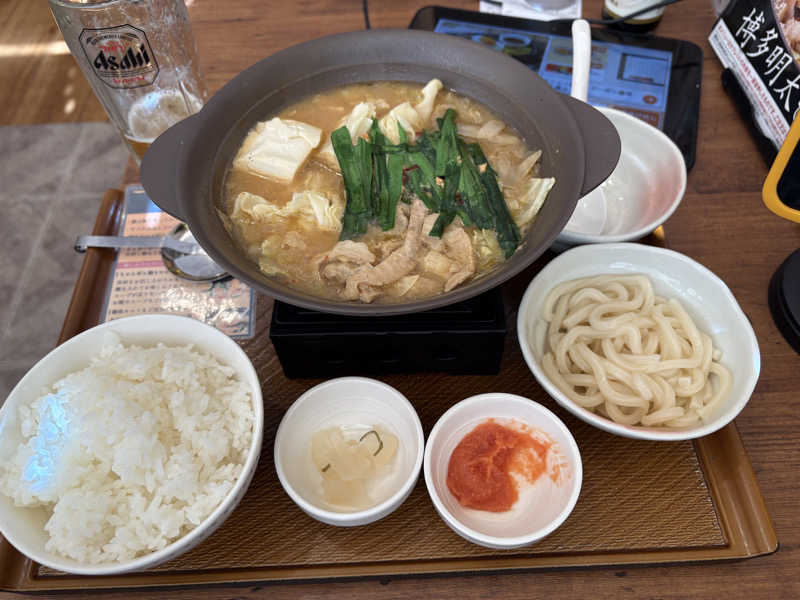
[641, 502]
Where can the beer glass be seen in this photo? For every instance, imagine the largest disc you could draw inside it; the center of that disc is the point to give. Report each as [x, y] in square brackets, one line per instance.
[141, 60]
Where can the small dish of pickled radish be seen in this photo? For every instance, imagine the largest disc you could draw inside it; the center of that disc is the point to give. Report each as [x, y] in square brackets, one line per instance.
[349, 451]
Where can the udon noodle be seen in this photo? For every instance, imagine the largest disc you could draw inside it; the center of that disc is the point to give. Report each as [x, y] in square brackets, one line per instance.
[616, 348]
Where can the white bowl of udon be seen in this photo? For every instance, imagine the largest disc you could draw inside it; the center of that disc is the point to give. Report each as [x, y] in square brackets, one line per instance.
[639, 341]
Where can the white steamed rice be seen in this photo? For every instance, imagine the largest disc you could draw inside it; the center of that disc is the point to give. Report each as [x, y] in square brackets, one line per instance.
[132, 452]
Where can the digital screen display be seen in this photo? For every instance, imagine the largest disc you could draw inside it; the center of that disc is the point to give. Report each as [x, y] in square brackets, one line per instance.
[628, 78]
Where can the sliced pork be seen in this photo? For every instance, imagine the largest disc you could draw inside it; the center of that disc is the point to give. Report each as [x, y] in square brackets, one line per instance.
[362, 283]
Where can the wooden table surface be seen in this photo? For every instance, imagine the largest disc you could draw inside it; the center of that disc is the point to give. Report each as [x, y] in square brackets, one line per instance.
[721, 222]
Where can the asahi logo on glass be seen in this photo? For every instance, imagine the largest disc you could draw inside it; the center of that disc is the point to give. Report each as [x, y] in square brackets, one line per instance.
[120, 56]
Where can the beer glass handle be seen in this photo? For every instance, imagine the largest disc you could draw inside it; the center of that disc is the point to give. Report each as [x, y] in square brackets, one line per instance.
[160, 163]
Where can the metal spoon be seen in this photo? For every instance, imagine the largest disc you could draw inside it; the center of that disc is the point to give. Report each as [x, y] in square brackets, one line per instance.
[197, 265]
[181, 254]
[134, 241]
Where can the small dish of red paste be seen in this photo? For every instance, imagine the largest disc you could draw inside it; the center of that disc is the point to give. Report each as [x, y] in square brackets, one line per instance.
[489, 462]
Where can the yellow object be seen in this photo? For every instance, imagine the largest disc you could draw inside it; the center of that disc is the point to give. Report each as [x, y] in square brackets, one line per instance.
[770, 190]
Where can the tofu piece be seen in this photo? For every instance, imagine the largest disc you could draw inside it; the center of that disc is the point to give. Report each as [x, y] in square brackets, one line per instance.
[277, 148]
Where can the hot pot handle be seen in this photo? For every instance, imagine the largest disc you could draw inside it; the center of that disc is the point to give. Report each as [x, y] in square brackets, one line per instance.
[159, 168]
[601, 143]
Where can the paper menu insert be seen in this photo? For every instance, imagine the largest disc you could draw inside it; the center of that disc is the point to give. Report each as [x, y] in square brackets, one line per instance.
[141, 284]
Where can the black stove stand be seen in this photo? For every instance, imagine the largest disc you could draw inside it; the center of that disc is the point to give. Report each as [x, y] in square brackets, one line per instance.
[465, 338]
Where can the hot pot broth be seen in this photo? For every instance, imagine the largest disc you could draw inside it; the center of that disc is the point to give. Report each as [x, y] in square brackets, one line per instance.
[290, 224]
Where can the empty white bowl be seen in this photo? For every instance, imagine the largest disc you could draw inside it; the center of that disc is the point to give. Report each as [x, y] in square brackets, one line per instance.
[540, 509]
[705, 297]
[24, 527]
[641, 193]
[348, 401]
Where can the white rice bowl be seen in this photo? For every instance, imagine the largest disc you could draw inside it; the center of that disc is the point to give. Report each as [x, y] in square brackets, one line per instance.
[133, 454]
